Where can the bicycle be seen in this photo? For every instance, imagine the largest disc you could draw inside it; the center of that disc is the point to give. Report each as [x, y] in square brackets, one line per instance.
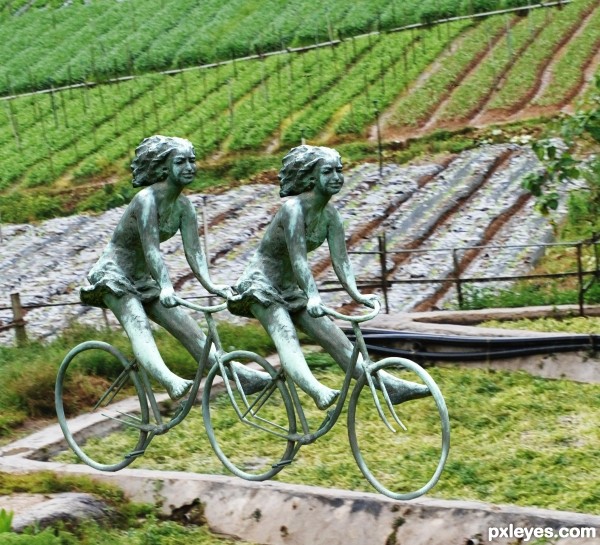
[268, 417]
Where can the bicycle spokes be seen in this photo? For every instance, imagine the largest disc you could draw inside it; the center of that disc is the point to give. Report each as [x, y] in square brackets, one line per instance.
[250, 431]
[389, 403]
[377, 403]
[253, 408]
[113, 389]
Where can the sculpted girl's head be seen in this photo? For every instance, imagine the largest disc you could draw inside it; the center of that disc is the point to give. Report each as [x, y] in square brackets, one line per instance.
[297, 175]
[150, 164]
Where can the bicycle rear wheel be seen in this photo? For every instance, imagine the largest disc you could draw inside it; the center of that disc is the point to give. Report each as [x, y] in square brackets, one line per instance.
[405, 463]
[249, 432]
[99, 392]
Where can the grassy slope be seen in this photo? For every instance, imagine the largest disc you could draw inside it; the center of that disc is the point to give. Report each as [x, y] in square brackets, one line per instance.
[515, 439]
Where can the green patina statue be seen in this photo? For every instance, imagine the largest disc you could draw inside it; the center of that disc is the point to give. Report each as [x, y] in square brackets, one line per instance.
[278, 288]
[131, 278]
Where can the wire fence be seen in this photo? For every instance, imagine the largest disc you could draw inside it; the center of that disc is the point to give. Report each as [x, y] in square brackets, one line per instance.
[585, 272]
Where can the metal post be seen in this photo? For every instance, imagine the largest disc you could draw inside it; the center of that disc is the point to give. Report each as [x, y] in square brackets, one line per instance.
[457, 278]
[580, 278]
[205, 237]
[18, 321]
[383, 260]
[105, 316]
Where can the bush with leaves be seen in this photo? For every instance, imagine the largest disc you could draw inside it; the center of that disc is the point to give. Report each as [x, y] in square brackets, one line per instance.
[562, 161]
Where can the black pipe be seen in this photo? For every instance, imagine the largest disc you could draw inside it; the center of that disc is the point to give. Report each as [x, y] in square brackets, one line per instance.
[479, 348]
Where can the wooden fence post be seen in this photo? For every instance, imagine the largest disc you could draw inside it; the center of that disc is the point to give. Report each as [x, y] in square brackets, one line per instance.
[18, 314]
[457, 279]
[383, 260]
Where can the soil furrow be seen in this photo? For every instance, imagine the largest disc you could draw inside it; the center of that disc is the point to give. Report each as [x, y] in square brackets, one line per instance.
[470, 255]
[543, 78]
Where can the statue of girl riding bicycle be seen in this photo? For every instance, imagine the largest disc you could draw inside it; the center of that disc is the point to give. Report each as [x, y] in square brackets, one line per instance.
[276, 287]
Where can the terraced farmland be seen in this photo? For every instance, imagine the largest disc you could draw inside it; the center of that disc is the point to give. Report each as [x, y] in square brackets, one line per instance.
[55, 42]
[468, 199]
[467, 72]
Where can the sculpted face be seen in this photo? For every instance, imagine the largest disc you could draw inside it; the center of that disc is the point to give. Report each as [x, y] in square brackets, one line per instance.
[328, 175]
[182, 165]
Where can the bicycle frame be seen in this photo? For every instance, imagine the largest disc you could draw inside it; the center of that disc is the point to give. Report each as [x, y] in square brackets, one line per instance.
[161, 427]
[306, 436]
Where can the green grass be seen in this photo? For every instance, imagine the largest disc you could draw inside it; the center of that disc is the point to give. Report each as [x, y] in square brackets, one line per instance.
[580, 324]
[515, 439]
[28, 373]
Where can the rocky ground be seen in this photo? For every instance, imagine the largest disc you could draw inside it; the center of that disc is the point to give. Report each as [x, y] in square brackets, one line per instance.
[425, 210]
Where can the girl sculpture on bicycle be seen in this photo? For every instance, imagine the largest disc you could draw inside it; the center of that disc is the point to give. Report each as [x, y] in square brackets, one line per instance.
[131, 278]
[277, 286]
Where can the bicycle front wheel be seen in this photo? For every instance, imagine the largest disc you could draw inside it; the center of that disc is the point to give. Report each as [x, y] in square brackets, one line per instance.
[400, 450]
[99, 392]
[249, 428]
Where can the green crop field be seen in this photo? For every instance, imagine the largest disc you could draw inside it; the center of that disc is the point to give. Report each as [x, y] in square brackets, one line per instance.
[48, 42]
[66, 138]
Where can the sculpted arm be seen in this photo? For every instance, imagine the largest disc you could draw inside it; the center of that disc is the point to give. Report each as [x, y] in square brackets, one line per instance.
[339, 258]
[193, 250]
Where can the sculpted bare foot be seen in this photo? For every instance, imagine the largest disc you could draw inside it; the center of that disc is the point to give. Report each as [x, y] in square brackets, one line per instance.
[402, 390]
[325, 397]
[178, 387]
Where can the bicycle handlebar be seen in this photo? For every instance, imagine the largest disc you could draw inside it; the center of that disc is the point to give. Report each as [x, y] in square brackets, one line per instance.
[355, 319]
[199, 308]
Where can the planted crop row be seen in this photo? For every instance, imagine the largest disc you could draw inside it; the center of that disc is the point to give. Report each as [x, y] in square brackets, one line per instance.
[414, 108]
[79, 133]
[53, 45]
[568, 71]
[478, 86]
[313, 119]
[396, 79]
[525, 72]
[111, 124]
[287, 91]
[199, 117]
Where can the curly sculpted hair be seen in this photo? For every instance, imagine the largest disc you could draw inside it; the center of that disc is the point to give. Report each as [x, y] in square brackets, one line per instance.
[150, 163]
[295, 174]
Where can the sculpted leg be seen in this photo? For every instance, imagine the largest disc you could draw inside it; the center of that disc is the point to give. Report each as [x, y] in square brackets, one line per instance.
[278, 324]
[132, 316]
[185, 329]
[334, 341]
